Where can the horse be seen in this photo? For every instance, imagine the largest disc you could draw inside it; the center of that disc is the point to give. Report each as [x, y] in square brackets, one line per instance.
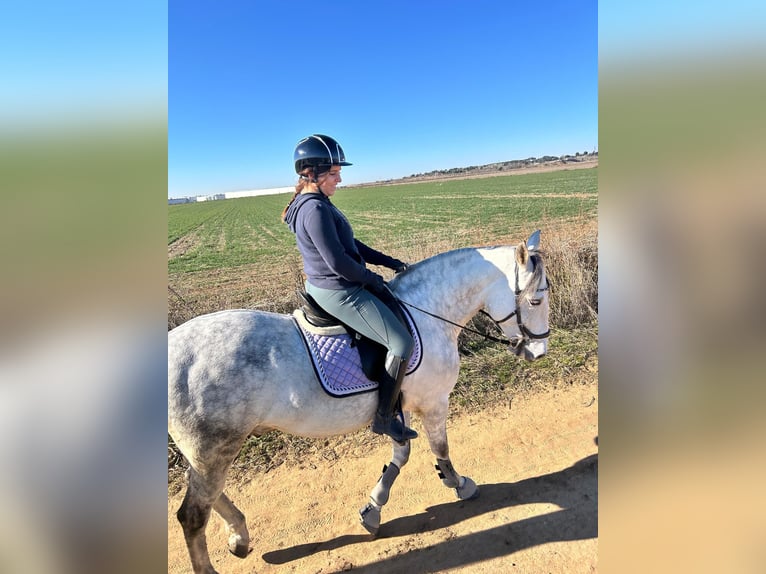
[236, 373]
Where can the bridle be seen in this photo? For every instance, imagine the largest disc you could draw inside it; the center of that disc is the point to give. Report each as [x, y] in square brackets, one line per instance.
[526, 334]
[516, 342]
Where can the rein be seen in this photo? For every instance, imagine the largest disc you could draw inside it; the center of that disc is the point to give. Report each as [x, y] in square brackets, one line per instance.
[465, 327]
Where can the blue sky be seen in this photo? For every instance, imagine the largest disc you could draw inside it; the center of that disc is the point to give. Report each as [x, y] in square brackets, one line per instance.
[404, 86]
[79, 62]
[657, 29]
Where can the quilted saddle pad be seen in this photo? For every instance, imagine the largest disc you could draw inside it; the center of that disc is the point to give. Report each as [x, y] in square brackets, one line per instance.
[337, 363]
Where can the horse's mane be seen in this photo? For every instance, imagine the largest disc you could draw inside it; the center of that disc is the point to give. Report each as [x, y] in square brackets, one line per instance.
[537, 276]
[529, 290]
[430, 261]
[437, 259]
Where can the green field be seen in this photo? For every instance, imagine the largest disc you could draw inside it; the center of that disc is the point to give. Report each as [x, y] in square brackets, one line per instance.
[397, 218]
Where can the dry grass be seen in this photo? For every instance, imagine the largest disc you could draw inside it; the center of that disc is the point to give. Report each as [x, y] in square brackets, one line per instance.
[571, 260]
[267, 288]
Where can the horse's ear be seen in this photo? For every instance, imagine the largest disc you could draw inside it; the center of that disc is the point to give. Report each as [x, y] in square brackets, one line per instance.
[522, 254]
[533, 243]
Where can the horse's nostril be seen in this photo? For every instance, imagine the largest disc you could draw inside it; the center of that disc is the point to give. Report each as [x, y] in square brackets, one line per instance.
[516, 342]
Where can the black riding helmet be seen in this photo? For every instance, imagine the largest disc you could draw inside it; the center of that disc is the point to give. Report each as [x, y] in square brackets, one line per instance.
[319, 152]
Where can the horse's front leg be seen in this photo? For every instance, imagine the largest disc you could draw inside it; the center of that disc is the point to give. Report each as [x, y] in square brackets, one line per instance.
[369, 515]
[435, 424]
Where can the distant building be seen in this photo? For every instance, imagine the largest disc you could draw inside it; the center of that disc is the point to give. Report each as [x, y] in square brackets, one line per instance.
[175, 200]
[230, 195]
[254, 192]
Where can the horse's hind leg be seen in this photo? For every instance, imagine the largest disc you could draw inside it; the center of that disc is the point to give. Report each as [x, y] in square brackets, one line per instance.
[239, 538]
[370, 514]
[203, 493]
[436, 429]
[193, 515]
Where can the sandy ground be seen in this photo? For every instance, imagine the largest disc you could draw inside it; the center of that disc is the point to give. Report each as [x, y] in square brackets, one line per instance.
[535, 461]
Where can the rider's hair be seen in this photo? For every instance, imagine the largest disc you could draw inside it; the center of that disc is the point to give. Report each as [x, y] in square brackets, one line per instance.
[306, 178]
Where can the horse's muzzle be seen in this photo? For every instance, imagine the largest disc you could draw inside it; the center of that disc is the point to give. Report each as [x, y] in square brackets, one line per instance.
[519, 346]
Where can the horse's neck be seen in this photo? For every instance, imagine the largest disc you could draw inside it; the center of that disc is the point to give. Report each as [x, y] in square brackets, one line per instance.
[452, 285]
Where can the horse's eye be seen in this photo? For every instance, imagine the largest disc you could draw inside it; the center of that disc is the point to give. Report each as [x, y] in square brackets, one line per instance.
[535, 302]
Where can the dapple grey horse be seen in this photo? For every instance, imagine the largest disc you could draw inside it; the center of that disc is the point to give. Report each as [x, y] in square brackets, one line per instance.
[237, 373]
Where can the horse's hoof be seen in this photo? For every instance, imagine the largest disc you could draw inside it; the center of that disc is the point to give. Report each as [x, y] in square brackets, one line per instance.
[240, 551]
[369, 517]
[238, 547]
[468, 490]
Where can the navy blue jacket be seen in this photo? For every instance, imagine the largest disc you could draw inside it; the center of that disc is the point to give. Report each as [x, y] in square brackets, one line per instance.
[332, 257]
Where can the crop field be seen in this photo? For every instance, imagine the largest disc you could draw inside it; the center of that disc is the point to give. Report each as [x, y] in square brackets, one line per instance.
[237, 253]
[401, 219]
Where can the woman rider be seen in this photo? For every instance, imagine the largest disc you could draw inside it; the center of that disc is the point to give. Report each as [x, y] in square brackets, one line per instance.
[337, 277]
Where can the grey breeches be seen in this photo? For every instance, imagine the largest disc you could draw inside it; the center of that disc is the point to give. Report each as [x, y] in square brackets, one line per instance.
[365, 313]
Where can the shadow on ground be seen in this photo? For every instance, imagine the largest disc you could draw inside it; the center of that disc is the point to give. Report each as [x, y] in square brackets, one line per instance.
[573, 489]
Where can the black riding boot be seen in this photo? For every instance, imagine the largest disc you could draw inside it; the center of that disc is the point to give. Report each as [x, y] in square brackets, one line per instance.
[386, 421]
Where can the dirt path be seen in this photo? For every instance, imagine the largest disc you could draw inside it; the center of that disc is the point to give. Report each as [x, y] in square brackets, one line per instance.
[535, 461]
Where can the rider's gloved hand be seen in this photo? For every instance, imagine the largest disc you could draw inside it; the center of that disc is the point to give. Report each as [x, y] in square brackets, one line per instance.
[401, 266]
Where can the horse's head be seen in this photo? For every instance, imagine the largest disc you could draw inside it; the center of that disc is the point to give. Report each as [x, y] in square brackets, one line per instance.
[525, 287]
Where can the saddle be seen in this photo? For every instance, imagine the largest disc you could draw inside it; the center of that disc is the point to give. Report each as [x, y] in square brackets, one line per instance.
[371, 353]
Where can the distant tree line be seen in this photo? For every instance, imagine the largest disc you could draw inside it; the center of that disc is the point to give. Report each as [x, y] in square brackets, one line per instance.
[501, 166]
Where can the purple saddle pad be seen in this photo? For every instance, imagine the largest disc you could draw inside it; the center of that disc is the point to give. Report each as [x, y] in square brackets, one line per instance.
[337, 363]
